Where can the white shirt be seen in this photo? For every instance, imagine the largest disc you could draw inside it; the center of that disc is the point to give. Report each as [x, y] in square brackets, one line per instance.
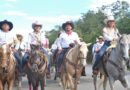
[110, 34]
[55, 44]
[36, 38]
[99, 45]
[6, 37]
[21, 45]
[65, 39]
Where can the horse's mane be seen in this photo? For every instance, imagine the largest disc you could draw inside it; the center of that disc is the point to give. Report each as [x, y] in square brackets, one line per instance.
[73, 51]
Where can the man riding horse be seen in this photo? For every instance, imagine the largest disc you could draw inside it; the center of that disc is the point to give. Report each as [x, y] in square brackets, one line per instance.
[110, 33]
[67, 39]
[7, 60]
[37, 37]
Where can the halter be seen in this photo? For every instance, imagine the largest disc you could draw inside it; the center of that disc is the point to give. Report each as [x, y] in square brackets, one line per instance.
[39, 66]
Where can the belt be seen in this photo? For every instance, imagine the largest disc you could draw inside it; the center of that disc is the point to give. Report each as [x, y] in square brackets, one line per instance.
[65, 48]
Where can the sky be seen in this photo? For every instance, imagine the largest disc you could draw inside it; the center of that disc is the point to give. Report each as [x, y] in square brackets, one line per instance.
[48, 12]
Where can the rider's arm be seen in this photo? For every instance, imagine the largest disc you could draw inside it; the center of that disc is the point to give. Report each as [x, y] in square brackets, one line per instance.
[77, 40]
[59, 47]
[106, 35]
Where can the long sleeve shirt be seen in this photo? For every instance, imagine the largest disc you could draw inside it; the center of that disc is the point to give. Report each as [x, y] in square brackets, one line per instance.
[36, 39]
[55, 44]
[110, 33]
[65, 40]
[6, 37]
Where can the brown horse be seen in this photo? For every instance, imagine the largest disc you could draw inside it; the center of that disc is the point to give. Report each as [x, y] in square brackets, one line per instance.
[7, 67]
[72, 66]
[36, 68]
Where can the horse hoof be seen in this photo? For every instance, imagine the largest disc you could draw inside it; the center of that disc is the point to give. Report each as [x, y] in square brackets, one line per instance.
[60, 84]
[78, 82]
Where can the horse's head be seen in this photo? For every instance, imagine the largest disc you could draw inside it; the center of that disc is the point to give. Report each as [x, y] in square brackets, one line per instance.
[36, 57]
[124, 42]
[4, 56]
[83, 50]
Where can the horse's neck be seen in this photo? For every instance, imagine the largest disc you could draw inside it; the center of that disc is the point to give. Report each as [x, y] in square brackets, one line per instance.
[116, 56]
[72, 55]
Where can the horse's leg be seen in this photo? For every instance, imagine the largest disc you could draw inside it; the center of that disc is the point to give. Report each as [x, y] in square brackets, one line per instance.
[69, 82]
[125, 83]
[63, 80]
[95, 81]
[1, 85]
[37, 85]
[45, 80]
[111, 82]
[10, 84]
[42, 82]
[29, 83]
[104, 82]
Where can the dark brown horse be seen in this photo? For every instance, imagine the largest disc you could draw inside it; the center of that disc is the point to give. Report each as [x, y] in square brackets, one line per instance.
[36, 68]
[7, 67]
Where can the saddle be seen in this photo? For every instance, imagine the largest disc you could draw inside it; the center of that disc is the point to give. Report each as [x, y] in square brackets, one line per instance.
[109, 49]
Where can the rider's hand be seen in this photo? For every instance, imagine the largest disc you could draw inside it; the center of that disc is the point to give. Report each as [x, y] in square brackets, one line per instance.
[59, 50]
[14, 50]
[72, 45]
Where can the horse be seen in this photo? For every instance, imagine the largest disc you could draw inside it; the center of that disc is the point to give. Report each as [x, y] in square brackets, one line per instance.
[113, 64]
[71, 68]
[7, 67]
[36, 68]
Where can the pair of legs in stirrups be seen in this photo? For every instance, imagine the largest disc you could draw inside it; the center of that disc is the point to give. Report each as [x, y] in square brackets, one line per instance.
[99, 56]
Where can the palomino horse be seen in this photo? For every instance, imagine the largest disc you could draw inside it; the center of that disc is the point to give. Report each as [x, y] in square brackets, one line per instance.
[114, 67]
[72, 66]
[7, 67]
[36, 68]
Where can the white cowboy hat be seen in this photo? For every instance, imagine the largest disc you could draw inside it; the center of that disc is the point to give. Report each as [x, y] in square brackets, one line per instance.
[36, 24]
[109, 18]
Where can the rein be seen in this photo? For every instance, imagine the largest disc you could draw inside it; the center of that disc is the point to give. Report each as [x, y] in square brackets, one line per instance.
[117, 66]
[8, 66]
[73, 64]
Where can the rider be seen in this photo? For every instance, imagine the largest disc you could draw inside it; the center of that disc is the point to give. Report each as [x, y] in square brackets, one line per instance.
[67, 39]
[110, 33]
[19, 51]
[37, 37]
[97, 46]
[6, 36]
[54, 46]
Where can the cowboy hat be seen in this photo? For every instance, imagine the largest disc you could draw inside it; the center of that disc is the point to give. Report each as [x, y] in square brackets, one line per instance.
[36, 24]
[6, 22]
[100, 37]
[67, 23]
[109, 18]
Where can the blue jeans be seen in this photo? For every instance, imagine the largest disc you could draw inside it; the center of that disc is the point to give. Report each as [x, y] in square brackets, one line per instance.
[25, 59]
[61, 57]
[19, 60]
[100, 54]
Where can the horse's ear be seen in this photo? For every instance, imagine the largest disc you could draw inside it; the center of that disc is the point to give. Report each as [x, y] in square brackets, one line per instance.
[10, 44]
[123, 39]
[88, 44]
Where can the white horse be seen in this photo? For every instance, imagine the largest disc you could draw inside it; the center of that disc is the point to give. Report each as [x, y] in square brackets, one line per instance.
[115, 66]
